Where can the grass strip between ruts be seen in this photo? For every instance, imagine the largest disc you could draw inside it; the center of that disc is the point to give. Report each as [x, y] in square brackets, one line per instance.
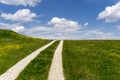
[38, 69]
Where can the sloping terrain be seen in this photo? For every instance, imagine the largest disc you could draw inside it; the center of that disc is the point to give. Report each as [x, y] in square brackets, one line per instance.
[14, 47]
[82, 59]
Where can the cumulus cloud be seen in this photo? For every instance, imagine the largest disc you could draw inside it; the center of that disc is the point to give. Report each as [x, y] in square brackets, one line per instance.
[63, 24]
[23, 15]
[48, 32]
[111, 13]
[18, 29]
[20, 2]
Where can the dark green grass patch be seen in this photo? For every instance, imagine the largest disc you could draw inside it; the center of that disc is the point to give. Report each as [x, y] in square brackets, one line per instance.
[14, 47]
[38, 69]
[91, 60]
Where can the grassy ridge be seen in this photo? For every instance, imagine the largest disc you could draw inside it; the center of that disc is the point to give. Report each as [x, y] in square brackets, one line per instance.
[14, 47]
[38, 69]
[91, 60]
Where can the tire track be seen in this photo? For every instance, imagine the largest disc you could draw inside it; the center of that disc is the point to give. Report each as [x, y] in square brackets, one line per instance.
[56, 70]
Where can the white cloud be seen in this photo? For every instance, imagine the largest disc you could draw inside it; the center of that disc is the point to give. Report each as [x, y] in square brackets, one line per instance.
[111, 13]
[15, 27]
[86, 24]
[5, 26]
[24, 15]
[96, 34]
[18, 29]
[20, 2]
[60, 30]
[38, 29]
[51, 33]
[63, 24]
[8, 26]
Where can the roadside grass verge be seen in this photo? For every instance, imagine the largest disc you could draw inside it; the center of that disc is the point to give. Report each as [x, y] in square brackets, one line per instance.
[91, 60]
[38, 69]
[14, 47]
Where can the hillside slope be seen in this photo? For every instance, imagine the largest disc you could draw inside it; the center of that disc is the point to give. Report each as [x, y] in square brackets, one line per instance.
[14, 47]
[9, 34]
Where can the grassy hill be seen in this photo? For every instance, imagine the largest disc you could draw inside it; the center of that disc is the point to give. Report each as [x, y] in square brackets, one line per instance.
[14, 47]
[9, 34]
[82, 59]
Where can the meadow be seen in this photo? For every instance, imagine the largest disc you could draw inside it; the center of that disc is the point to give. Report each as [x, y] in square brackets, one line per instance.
[91, 60]
[82, 59]
[14, 47]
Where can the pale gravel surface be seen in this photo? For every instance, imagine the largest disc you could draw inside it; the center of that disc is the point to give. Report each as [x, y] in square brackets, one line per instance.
[56, 70]
[14, 71]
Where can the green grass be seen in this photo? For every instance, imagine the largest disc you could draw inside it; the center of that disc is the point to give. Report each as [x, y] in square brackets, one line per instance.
[14, 47]
[38, 69]
[91, 60]
[82, 59]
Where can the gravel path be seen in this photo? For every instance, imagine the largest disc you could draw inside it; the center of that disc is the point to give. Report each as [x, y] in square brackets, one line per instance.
[14, 71]
[56, 70]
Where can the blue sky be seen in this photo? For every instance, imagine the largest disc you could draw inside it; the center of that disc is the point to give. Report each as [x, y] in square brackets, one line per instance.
[62, 19]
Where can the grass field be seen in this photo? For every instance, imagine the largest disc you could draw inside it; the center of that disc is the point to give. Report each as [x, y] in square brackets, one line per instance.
[14, 47]
[38, 69]
[91, 60]
[82, 59]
